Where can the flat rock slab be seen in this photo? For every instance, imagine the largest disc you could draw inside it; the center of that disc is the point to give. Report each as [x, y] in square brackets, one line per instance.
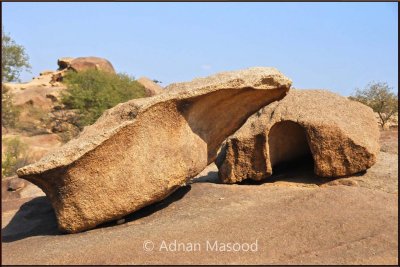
[360, 226]
[292, 225]
[142, 150]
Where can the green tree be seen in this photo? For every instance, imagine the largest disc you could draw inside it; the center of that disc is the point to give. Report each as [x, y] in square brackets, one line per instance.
[14, 59]
[381, 98]
[92, 92]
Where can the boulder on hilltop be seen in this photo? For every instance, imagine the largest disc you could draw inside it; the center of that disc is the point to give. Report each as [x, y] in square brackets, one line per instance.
[80, 64]
[84, 63]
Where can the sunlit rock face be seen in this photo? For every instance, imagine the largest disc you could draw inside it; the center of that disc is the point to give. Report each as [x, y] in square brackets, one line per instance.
[341, 136]
[140, 151]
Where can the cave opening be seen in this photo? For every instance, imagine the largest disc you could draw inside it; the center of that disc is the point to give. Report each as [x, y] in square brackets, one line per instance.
[289, 152]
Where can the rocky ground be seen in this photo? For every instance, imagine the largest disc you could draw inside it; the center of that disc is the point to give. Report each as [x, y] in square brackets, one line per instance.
[294, 218]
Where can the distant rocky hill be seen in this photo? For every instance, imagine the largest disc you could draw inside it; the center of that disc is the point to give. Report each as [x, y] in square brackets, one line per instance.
[43, 121]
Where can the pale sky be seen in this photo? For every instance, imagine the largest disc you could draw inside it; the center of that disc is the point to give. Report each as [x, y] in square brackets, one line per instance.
[335, 46]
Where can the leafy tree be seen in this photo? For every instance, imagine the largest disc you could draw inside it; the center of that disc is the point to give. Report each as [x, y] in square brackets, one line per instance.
[14, 59]
[380, 97]
[92, 92]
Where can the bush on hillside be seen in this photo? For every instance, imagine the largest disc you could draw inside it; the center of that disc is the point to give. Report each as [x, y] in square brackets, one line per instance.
[92, 92]
[9, 113]
[14, 157]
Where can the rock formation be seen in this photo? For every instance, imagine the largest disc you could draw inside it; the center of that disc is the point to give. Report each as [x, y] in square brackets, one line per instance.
[80, 64]
[151, 87]
[341, 135]
[41, 110]
[64, 62]
[84, 63]
[140, 151]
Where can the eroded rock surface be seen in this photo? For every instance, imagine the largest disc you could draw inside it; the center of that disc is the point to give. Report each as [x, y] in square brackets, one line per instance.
[140, 151]
[342, 137]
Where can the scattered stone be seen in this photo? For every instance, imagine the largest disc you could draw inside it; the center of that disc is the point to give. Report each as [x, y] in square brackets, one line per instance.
[46, 72]
[141, 151]
[341, 135]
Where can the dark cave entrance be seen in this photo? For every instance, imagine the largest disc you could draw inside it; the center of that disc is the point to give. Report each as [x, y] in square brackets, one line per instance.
[289, 151]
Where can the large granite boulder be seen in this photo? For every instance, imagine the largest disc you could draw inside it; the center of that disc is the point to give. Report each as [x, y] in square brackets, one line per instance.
[80, 64]
[140, 151]
[341, 136]
[85, 63]
[150, 86]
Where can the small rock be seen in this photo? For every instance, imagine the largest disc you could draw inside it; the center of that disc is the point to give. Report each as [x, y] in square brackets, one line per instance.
[46, 72]
[120, 221]
[16, 184]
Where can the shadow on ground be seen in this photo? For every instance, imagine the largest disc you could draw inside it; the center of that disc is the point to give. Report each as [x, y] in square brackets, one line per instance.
[37, 218]
[300, 171]
[147, 211]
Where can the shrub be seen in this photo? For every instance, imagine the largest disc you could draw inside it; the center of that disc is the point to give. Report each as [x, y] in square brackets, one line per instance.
[15, 156]
[92, 92]
[9, 113]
